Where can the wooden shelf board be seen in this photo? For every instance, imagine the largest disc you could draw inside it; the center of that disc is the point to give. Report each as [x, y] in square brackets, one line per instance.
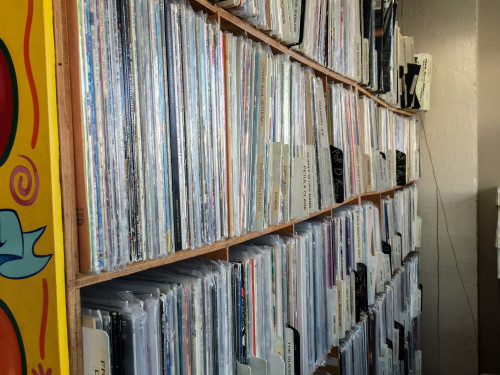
[204, 5]
[367, 93]
[82, 279]
[371, 193]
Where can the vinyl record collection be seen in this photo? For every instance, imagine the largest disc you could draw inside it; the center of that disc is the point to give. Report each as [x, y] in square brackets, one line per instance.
[390, 147]
[372, 148]
[279, 304]
[413, 75]
[377, 283]
[190, 135]
[278, 154]
[386, 340]
[202, 145]
[358, 39]
[281, 19]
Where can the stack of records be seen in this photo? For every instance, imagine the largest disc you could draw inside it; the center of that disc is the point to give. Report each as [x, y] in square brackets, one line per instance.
[172, 320]
[343, 48]
[279, 303]
[184, 144]
[197, 127]
[342, 105]
[414, 76]
[278, 161]
[153, 132]
[406, 222]
[264, 308]
[400, 224]
[407, 145]
[386, 340]
[390, 147]
[281, 19]
[360, 40]
[369, 247]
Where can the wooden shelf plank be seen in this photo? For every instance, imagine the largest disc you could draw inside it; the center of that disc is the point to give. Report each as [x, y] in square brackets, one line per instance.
[378, 192]
[82, 280]
[367, 93]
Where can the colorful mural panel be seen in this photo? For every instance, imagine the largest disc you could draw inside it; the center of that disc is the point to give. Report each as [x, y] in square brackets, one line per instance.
[33, 334]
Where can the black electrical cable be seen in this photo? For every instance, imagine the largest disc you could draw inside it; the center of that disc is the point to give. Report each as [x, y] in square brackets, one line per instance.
[438, 281]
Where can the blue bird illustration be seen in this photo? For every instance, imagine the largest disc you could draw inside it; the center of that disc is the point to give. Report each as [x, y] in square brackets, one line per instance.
[17, 248]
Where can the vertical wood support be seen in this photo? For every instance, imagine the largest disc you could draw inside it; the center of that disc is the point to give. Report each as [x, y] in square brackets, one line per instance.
[389, 193]
[222, 254]
[214, 17]
[64, 15]
[332, 362]
[375, 198]
[324, 79]
[287, 231]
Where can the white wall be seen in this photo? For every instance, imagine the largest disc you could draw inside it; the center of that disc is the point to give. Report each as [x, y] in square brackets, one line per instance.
[447, 29]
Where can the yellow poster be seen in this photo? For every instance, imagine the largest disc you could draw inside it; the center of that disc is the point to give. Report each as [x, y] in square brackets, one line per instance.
[33, 336]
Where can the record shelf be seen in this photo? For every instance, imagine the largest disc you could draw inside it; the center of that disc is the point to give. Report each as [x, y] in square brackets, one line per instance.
[68, 107]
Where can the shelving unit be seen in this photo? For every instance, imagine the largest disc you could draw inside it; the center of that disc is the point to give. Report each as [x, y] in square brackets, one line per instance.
[68, 103]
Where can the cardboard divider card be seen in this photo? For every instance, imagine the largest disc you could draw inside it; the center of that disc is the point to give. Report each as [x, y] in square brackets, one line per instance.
[299, 189]
[332, 318]
[259, 366]
[375, 170]
[242, 369]
[417, 231]
[396, 351]
[337, 157]
[368, 175]
[396, 250]
[400, 168]
[390, 169]
[361, 290]
[416, 306]
[352, 297]
[96, 356]
[390, 354]
[289, 351]
[279, 347]
[418, 362]
[359, 168]
[286, 183]
[276, 196]
[276, 365]
[382, 367]
[347, 302]
[341, 309]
